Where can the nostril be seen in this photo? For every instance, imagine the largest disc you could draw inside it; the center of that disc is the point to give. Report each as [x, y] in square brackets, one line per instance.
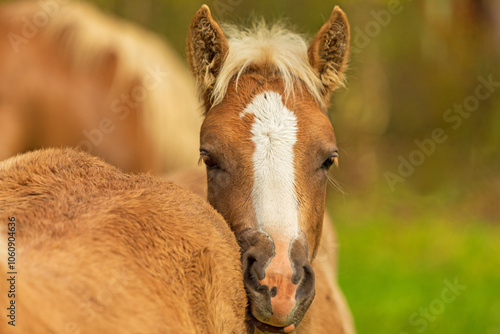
[298, 275]
[273, 291]
[306, 284]
[308, 272]
[250, 260]
[252, 270]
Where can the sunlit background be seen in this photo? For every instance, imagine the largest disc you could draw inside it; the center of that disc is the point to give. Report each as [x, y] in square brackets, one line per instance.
[417, 201]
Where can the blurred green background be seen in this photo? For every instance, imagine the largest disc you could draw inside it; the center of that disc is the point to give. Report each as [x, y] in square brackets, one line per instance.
[410, 220]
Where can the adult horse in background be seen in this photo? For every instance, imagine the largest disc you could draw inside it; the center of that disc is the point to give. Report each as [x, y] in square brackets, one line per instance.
[72, 76]
[100, 251]
[268, 144]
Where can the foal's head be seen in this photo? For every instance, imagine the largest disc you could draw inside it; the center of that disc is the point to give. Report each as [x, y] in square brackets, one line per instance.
[268, 144]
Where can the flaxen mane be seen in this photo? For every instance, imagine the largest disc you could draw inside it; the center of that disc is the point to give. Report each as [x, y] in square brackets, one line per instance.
[276, 48]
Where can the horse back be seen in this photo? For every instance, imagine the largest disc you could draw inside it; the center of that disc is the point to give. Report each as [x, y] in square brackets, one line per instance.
[98, 250]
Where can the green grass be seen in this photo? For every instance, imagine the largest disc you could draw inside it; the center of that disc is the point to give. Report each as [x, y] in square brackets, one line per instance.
[390, 268]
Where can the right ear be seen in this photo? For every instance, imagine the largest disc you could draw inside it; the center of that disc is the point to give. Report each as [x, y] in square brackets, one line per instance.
[207, 49]
[329, 51]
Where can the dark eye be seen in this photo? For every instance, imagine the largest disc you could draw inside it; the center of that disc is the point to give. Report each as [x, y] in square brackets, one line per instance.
[208, 160]
[332, 160]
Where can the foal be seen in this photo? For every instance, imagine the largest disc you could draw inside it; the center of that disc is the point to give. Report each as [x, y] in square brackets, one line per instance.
[100, 251]
[268, 144]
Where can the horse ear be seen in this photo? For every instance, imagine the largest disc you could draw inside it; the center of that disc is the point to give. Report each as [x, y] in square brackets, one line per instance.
[329, 50]
[207, 48]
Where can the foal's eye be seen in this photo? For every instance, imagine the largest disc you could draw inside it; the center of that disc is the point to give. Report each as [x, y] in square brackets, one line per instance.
[208, 160]
[332, 160]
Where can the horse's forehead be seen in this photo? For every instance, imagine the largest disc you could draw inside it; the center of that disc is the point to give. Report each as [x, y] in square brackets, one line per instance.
[274, 108]
[254, 97]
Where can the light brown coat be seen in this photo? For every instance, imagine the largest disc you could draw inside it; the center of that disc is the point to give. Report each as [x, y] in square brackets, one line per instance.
[100, 251]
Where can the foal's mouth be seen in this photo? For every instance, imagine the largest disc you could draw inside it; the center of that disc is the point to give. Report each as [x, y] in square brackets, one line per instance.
[268, 328]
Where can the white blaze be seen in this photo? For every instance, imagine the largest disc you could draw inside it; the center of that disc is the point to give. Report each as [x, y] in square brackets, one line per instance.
[274, 133]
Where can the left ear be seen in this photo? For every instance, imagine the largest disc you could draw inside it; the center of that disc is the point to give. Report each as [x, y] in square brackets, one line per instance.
[329, 51]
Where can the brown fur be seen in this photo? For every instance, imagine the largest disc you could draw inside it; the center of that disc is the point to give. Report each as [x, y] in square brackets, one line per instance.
[224, 127]
[226, 139]
[100, 251]
[329, 312]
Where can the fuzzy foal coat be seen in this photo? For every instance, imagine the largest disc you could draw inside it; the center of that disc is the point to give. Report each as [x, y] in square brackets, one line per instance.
[100, 251]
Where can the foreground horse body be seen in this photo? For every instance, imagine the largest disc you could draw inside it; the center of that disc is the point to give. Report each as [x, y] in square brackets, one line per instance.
[99, 251]
[267, 144]
[71, 76]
